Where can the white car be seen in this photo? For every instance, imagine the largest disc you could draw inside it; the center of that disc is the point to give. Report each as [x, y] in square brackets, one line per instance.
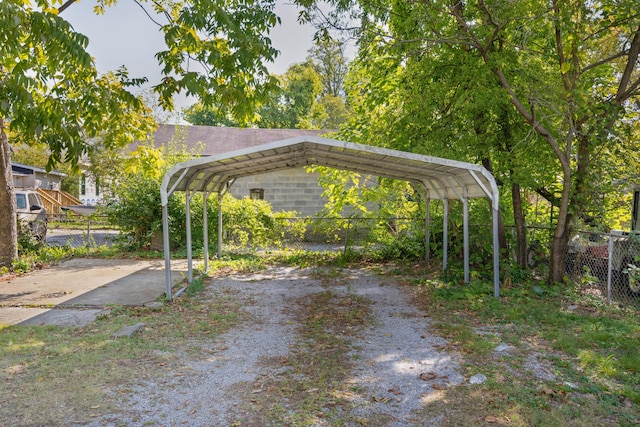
[32, 216]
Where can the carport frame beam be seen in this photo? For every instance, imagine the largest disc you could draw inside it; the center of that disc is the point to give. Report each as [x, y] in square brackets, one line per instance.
[190, 175]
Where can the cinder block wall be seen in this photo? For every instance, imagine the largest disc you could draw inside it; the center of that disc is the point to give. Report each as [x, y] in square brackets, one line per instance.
[286, 190]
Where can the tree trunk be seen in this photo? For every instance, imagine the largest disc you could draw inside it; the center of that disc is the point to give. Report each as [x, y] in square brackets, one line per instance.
[559, 247]
[521, 231]
[8, 219]
[562, 232]
[502, 234]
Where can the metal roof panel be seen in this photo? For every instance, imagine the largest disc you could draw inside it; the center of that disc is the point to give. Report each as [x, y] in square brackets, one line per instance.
[443, 178]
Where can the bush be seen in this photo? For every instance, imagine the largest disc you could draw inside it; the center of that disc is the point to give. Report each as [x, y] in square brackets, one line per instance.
[253, 223]
[249, 223]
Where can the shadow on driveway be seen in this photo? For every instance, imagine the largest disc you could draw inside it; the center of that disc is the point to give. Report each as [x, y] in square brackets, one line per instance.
[75, 292]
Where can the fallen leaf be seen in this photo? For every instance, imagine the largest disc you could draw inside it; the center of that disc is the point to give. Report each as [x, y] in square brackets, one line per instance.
[491, 419]
[438, 387]
[395, 391]
[548, 391]
[428, 376]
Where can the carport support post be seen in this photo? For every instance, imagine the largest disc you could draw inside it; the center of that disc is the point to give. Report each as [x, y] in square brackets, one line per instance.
[167, 255]
[427, 221]
[189, 249]
[496, 246]
[205, 231]
[445, 234]
[465, 234]
[219, 224]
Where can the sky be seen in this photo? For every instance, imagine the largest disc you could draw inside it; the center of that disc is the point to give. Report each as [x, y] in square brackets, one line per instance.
[124, 35]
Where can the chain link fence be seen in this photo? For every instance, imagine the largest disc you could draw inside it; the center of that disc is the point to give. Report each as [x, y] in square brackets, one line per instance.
[606, 265]
[333, 234]
[615, 278]
[80, 231]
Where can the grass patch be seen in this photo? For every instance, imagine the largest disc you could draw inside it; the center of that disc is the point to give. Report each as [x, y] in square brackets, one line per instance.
[572, 361]
[61, 376]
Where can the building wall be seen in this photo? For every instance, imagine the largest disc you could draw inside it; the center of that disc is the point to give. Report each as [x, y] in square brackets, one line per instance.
[37, 180]
[90, 192]
[24, 181]
[48, 182]
[286, 190]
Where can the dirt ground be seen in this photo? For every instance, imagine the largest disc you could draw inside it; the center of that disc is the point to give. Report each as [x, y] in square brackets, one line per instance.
[395, 364]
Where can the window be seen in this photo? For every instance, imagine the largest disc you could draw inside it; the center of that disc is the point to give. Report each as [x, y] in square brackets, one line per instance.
[256, 193]
[83, 185]
[97, 186]
[33, 200]
[21, 201]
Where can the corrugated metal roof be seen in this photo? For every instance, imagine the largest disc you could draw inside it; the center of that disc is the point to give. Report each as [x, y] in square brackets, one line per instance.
[441, 178]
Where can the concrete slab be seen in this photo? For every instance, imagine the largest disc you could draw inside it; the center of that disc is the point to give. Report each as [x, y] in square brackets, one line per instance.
[65, 318]
[15, 315]
[83, 283]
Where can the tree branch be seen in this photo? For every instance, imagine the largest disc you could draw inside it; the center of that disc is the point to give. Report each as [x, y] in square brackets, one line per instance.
[632, 90]
[148, 14]
[548, 196]
[66, 5]
[604, 61]
[623, 88]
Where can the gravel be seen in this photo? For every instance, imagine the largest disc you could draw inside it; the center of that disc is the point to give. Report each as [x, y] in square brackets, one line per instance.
[399, 365]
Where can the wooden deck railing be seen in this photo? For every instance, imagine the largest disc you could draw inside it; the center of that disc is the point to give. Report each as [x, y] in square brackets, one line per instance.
[54, 199]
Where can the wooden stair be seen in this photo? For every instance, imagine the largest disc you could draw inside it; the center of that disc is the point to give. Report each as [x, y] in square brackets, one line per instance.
[53, 200]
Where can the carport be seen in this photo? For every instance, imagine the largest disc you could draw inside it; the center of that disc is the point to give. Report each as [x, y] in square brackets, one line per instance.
[436, 178]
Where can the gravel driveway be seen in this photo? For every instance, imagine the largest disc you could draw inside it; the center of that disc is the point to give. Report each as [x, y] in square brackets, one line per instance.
[397, 364]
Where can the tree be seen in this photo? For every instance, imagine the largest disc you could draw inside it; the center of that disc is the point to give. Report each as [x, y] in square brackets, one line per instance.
[197, 114]
[30, 154]
[51, 93]
[327, 57]
[311, 95]
[293, 106]
[296, 107]
[569, 70]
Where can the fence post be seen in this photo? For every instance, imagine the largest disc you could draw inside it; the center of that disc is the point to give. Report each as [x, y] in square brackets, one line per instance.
[346, 237]
[609, 268]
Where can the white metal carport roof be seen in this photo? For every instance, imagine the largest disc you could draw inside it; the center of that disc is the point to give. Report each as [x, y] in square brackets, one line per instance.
[440, 178]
